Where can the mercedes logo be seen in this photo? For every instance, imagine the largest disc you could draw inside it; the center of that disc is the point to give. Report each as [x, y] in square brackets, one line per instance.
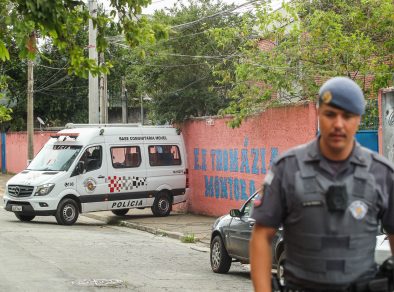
[17, 190]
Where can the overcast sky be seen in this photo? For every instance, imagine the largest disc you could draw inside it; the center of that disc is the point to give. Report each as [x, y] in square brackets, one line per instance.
[160, 4]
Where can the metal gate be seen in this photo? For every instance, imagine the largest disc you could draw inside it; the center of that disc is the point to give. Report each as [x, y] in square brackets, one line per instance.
[369, 139]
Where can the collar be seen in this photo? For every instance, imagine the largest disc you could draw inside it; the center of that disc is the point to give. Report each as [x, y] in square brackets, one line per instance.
[314, 154]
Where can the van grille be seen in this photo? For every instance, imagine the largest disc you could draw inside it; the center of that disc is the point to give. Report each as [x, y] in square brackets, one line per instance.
[20, 191]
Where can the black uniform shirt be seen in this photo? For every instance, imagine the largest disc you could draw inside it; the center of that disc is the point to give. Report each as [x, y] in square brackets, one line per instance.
[279, 185]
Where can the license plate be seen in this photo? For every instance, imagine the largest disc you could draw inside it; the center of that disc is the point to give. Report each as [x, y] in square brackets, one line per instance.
[16, 208]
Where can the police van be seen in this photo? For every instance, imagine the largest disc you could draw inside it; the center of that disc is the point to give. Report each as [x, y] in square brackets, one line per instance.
[86, 168]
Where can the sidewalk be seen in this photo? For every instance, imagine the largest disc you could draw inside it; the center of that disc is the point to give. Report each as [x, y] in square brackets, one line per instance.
[178, 225]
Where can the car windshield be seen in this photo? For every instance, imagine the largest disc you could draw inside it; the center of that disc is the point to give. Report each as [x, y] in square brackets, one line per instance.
[248, 208]
[55, 158]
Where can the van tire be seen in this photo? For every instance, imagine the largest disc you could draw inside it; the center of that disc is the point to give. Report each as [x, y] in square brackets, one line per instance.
[120, 212]
[24, 218]
[162, 205]
[67, 212]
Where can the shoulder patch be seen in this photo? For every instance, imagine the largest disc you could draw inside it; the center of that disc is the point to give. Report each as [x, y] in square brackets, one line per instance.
[285, 155]
[268, 178]
[383, 160]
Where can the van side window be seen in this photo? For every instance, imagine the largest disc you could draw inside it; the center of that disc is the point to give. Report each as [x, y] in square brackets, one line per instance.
[162, 155]
[92, 158]
[126, 157]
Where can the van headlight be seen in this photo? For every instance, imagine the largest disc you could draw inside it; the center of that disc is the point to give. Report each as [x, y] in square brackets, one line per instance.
[44, 189]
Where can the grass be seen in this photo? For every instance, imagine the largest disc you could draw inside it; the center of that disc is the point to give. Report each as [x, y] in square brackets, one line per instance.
[189, 238]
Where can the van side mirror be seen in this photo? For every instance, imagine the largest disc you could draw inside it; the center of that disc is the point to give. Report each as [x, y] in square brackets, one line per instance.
[79, 168]
[235, 213]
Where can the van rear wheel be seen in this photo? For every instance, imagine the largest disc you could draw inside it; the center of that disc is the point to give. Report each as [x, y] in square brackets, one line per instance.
[67, 212]
[24, 218]
[120, 212]
[162, 205]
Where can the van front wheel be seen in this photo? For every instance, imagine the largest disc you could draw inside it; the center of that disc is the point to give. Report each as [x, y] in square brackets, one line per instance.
[24, 218]
[162, 205]
[67, 212]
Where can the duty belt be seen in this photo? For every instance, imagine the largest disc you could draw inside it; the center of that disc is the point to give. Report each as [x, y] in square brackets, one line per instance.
[373, 285]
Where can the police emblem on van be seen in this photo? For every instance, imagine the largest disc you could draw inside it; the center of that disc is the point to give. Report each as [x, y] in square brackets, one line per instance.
[90, 184]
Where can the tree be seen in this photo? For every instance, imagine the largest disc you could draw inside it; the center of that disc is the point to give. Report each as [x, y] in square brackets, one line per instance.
[61, 20]
[304, 43]
[59, 98]
[176, 73]
[59, 23]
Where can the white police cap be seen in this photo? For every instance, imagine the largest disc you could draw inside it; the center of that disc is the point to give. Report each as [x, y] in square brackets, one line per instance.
[344, 93]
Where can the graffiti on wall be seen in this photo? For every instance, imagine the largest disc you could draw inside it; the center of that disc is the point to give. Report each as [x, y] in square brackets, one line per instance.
[231, 165]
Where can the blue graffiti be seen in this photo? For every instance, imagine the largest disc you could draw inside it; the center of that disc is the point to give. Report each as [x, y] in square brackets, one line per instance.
[204, 159]
[245, 161]
[227, 160]
[228, 188]
[196, 154]
[234, 160]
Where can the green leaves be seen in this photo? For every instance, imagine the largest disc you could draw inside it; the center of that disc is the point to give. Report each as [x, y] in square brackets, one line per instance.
[4, 55]
[176, 72]
[62, 20]
[304, 43]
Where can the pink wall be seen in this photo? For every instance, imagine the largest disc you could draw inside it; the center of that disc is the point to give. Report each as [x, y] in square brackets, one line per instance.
[218, 180]
[16, 149]
[225, 165]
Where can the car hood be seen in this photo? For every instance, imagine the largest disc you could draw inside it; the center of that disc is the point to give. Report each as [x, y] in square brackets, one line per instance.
[221, 221]
[35, 178]
[382, 249]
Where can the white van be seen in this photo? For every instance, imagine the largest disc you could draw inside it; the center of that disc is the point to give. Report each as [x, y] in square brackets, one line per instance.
[86, 168]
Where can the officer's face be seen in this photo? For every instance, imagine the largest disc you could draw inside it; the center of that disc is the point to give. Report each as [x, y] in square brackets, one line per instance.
[337, 130]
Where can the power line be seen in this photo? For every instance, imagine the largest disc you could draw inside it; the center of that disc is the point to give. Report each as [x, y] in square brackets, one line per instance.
[51, 78]
[219, 57]
[64, 88]
[49, 67]
[168, 66]
[188, 85]
[214, 15]
[50, 85]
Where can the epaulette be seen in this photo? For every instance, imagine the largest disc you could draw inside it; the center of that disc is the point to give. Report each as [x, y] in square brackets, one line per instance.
[285, 155]
[383, 160]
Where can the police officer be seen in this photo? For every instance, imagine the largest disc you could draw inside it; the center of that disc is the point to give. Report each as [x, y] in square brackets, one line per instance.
[329, 195]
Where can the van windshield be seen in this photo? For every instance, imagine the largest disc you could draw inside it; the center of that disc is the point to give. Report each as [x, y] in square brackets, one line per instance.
[55, 157]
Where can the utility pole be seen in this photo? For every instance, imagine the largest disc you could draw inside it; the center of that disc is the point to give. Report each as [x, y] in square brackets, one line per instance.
[105, 99]
[124, 102]
[142, 111]
[93, 81]
[103, 94]
[30, 113]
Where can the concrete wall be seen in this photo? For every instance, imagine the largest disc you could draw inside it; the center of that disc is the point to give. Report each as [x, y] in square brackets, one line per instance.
[227, 165]
[386, 123]
[16, 149]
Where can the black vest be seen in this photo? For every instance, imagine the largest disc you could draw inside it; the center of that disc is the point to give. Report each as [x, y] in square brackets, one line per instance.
[331, 247]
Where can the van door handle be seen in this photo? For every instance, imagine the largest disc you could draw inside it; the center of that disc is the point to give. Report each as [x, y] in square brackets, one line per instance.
[100, 176]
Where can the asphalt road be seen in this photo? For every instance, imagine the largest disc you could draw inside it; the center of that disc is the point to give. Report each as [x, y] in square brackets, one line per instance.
[91, 256]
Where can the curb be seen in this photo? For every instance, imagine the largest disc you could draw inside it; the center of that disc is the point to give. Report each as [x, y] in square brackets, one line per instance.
[155, 231]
